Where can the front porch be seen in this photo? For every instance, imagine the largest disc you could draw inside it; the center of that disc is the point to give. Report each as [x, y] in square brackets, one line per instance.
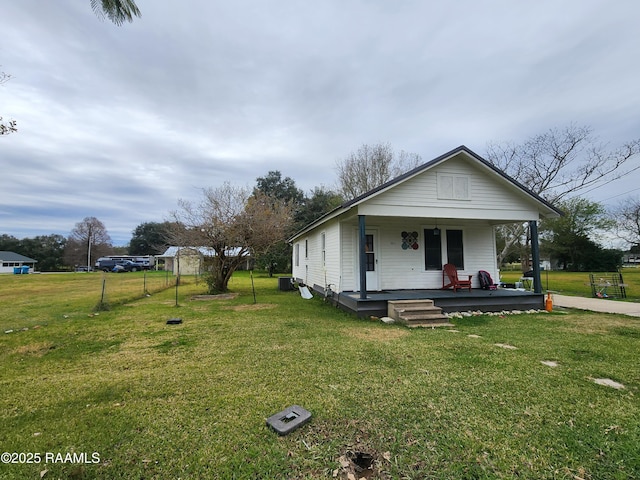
[461, 301]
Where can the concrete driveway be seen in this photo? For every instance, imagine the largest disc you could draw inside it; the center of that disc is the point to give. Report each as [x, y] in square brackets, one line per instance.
[597, 305]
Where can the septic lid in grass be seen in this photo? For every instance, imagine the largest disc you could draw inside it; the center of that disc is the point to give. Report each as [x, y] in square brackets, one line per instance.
[289, 419]
[174, 321]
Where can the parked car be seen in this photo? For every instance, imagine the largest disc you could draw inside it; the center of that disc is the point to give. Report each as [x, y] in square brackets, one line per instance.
[110, 265]
[105, 264]
[127, 266]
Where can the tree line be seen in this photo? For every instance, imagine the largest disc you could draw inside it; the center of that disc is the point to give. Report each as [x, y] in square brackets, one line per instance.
[240, 222]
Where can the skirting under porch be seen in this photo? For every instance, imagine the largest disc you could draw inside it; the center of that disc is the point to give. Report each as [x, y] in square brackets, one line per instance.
[449, 301]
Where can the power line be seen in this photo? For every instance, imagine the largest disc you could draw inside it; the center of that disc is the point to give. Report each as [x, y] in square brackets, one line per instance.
[620, 194]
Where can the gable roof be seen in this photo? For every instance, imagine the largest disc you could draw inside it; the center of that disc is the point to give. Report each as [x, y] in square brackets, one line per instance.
[204, 251]
[173, 251]
[6, 256]
[492, 169]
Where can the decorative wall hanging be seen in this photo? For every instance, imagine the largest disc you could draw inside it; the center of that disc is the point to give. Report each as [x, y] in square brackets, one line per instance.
[409, 240]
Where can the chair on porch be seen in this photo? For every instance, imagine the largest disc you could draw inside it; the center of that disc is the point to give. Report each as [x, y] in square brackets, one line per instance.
[450, 271]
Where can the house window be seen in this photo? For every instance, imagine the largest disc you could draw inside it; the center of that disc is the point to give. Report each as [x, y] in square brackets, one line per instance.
[432, 249]
[453, 187]
[323, 244]
[296, 254]
[455, 252]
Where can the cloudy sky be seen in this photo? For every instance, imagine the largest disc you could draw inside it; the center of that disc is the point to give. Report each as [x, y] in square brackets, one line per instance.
[121, 122]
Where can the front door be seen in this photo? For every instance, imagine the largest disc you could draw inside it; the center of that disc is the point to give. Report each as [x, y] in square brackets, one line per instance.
[371, 249]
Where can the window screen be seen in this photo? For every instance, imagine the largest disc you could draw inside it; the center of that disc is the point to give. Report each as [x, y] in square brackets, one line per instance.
[455, 253]
[432, 249]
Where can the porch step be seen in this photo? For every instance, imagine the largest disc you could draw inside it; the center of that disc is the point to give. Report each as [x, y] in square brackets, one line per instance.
[417, 313]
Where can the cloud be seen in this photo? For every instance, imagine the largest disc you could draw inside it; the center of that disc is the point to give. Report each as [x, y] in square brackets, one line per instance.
[121, 122]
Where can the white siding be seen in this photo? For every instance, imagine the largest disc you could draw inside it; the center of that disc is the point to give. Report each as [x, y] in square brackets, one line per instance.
[405, 269]
[348, 249]
[311, 269]
[490, 196]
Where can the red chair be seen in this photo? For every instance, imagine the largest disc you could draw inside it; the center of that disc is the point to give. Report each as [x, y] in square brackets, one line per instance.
[449, 270]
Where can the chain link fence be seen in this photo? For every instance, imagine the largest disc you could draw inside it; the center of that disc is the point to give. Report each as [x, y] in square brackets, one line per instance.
[119, 288]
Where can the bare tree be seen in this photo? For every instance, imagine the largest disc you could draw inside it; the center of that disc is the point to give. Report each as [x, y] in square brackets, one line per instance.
[88, 239]
[371, 166]
[627, 217]
[6, 127]
[235, 225]
[559, 163]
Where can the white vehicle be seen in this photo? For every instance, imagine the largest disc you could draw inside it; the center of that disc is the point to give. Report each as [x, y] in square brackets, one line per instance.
[146, 261]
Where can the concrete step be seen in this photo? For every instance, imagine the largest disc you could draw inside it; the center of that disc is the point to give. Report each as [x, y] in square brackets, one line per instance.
[422, 316]
[416, 313]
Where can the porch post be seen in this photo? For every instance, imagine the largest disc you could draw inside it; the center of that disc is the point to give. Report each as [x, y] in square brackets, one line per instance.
[363, 256]
[535, 256]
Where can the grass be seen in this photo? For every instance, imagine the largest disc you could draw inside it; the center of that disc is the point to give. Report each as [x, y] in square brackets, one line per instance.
[577, 283]
[188, 401]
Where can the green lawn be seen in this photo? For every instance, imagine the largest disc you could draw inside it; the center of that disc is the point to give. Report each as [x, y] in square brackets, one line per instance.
[577, 283]
[189, 401]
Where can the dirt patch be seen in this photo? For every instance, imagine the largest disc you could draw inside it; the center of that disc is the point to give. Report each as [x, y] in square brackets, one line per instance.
[222, 296]
[35, 349]
[376, 334]
[361, 461]
[594, 323]
[249, 308]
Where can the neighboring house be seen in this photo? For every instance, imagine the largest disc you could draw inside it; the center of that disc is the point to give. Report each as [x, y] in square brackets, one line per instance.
[190, 260]
[398, 236]
[10, 261]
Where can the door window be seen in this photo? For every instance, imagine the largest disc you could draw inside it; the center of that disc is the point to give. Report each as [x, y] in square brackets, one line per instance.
[371, 255]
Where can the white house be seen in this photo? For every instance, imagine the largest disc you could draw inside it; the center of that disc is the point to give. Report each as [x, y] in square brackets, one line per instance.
[399, 235]
[11, 262]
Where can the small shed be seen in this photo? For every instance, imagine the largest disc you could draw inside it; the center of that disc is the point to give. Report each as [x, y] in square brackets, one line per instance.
[185, 260]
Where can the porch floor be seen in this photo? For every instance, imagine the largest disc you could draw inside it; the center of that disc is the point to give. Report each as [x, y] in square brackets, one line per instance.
[450, 301]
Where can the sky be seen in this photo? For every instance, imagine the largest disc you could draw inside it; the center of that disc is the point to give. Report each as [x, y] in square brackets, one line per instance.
[119, 123]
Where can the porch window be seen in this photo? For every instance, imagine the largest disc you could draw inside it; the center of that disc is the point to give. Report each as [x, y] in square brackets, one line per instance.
[455, 252]
[432, 249]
